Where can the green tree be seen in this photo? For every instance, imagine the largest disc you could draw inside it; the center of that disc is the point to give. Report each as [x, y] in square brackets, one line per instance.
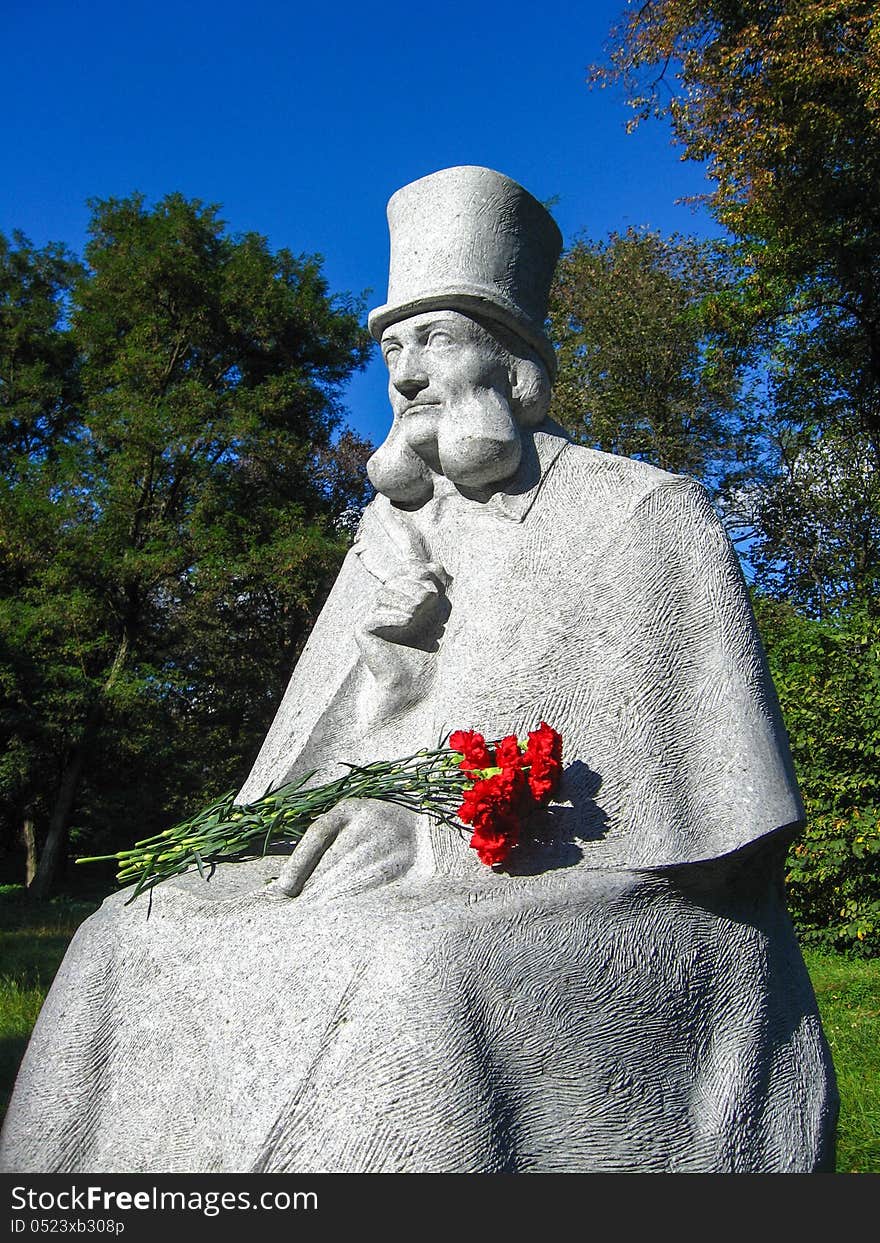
[641, 370]
[827, 674]
[39, 417]
[782, 102]
[814, 519]
[192, 522]
[38, 407]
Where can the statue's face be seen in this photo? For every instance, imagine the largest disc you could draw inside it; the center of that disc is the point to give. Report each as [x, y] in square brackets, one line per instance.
[437, 359]
[450, 390]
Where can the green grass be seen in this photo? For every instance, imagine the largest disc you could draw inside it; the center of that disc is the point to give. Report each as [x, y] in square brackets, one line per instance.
[33, 939]
[848, 993]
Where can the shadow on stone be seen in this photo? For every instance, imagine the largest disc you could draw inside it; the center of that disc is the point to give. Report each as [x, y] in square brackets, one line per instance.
[552, 838]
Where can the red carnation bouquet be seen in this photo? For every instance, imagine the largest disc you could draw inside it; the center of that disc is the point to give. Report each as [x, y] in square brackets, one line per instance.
[503, 784]
[507, 785]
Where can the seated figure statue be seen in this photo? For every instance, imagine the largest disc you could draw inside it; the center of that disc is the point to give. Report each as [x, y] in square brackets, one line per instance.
[626, 993]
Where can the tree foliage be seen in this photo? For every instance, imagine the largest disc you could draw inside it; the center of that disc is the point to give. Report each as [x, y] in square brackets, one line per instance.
[827, 674]
[782, 102]
[38, 389]
[168, 535]
[641, 371]
[815, 521]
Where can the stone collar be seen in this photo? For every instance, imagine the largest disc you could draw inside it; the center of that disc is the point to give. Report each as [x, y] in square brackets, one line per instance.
[538, 457]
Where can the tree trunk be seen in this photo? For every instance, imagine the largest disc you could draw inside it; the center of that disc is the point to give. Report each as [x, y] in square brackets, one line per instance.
[30, 847]
[55, 848]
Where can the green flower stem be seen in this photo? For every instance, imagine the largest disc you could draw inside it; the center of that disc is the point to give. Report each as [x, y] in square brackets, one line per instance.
[429, 782]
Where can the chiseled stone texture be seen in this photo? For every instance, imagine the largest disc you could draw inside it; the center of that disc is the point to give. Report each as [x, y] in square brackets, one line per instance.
[628, 995]
[629, 1022]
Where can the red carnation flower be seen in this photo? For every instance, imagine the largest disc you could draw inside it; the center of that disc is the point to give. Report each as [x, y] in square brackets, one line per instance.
[543, 756]
[544, 741]
[491, 797]
[473, 747]
[493, 806]
[477, 804]
[507, 753]
[494, 843]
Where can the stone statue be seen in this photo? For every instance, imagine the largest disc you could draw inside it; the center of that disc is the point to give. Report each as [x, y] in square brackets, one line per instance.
[627, 993]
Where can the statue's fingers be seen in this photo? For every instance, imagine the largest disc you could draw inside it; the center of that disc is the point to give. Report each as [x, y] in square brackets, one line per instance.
[435, 571]
[409, 592]
[423, 571]
[307, 854]
[389, 620]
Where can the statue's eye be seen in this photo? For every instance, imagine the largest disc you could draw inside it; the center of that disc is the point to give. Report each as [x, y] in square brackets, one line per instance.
[440, 337]
[390, 352]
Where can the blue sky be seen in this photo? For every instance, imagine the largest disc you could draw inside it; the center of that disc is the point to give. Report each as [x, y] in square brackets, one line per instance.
[301, 120]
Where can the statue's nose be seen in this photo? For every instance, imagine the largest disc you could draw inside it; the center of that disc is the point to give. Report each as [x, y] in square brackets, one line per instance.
[408, 374]
[410, 384]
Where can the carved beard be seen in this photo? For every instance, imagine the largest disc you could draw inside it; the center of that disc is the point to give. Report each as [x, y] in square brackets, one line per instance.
[396, 470]
[478, 441]
[477, 444]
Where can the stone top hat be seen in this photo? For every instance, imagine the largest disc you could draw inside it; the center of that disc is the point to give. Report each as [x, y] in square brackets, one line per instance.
[470, 239]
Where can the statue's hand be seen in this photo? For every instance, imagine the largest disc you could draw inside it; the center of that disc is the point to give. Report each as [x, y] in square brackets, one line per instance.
[379, 844]
[407, 607]
[309, 851]
[398, 635]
